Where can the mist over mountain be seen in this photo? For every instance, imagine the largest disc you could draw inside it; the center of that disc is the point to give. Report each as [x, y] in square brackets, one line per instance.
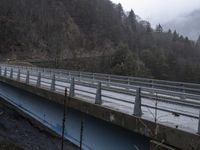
[187, 25]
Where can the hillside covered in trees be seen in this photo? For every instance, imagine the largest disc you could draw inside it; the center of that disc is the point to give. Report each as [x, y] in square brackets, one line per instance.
[76, 29]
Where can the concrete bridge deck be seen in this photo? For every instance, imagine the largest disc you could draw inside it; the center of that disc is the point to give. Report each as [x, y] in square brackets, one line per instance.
[167, 116]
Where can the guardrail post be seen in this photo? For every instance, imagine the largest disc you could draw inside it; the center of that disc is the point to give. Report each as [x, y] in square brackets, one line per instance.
[199, 125]
[5, 72]
[18, 75]
[128, 81]
[79, 79]
[137, 106]
[183, 91]
[92, 77]
[11, 73]
[152, 83]
[98, 99]
[0, 71]
[27, 77]
[39, 80]
[152, 86]
[53, 83]
[71, 92]
[108, 80]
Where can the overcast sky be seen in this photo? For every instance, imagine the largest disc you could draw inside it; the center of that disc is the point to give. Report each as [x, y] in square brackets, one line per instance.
[160, 11]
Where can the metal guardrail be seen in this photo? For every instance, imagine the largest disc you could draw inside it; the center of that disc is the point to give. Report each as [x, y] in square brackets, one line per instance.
[190, 88]
[58, 80]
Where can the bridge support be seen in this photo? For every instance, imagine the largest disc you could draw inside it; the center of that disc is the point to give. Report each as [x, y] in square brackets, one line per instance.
[137, 106]
[71, 92]
[39, 80]
[18, 75]
[27, 77]
[11, 73]
[53, 83]
[98, 99]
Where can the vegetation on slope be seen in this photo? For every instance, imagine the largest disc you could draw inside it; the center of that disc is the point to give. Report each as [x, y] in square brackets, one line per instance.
[74, 29]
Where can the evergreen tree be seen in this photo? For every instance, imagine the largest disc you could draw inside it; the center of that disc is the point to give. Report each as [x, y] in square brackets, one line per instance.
[186, 39]
[120, 11]
[175, 36]
[169, 31]
[181, 38]
[198, 43]
[132, 20]
[159, 28]
[148, 27]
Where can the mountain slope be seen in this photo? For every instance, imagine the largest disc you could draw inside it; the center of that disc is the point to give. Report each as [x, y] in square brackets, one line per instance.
[34, 29]
[73, 29]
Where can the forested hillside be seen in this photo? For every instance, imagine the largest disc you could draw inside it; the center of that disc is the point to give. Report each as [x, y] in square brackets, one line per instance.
[74, 29]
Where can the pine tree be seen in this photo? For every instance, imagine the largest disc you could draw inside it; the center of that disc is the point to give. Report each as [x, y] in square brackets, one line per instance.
[159, 28]
[132, 20]
[175, 36]
[169, 31]
[148, 27]
[186, 39]
[120, 11]
[198, 43]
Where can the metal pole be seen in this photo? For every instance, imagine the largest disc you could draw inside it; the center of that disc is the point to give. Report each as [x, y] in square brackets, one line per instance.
[63, 123]
[81, 133]
[199, 125]
[156, 107]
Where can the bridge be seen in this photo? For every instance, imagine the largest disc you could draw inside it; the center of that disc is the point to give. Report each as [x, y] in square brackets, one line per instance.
[105, 111]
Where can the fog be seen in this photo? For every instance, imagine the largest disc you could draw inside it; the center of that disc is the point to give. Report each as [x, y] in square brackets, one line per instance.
[169, 13]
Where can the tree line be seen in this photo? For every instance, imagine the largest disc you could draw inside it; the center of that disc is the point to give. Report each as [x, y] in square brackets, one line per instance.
[73, 29]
